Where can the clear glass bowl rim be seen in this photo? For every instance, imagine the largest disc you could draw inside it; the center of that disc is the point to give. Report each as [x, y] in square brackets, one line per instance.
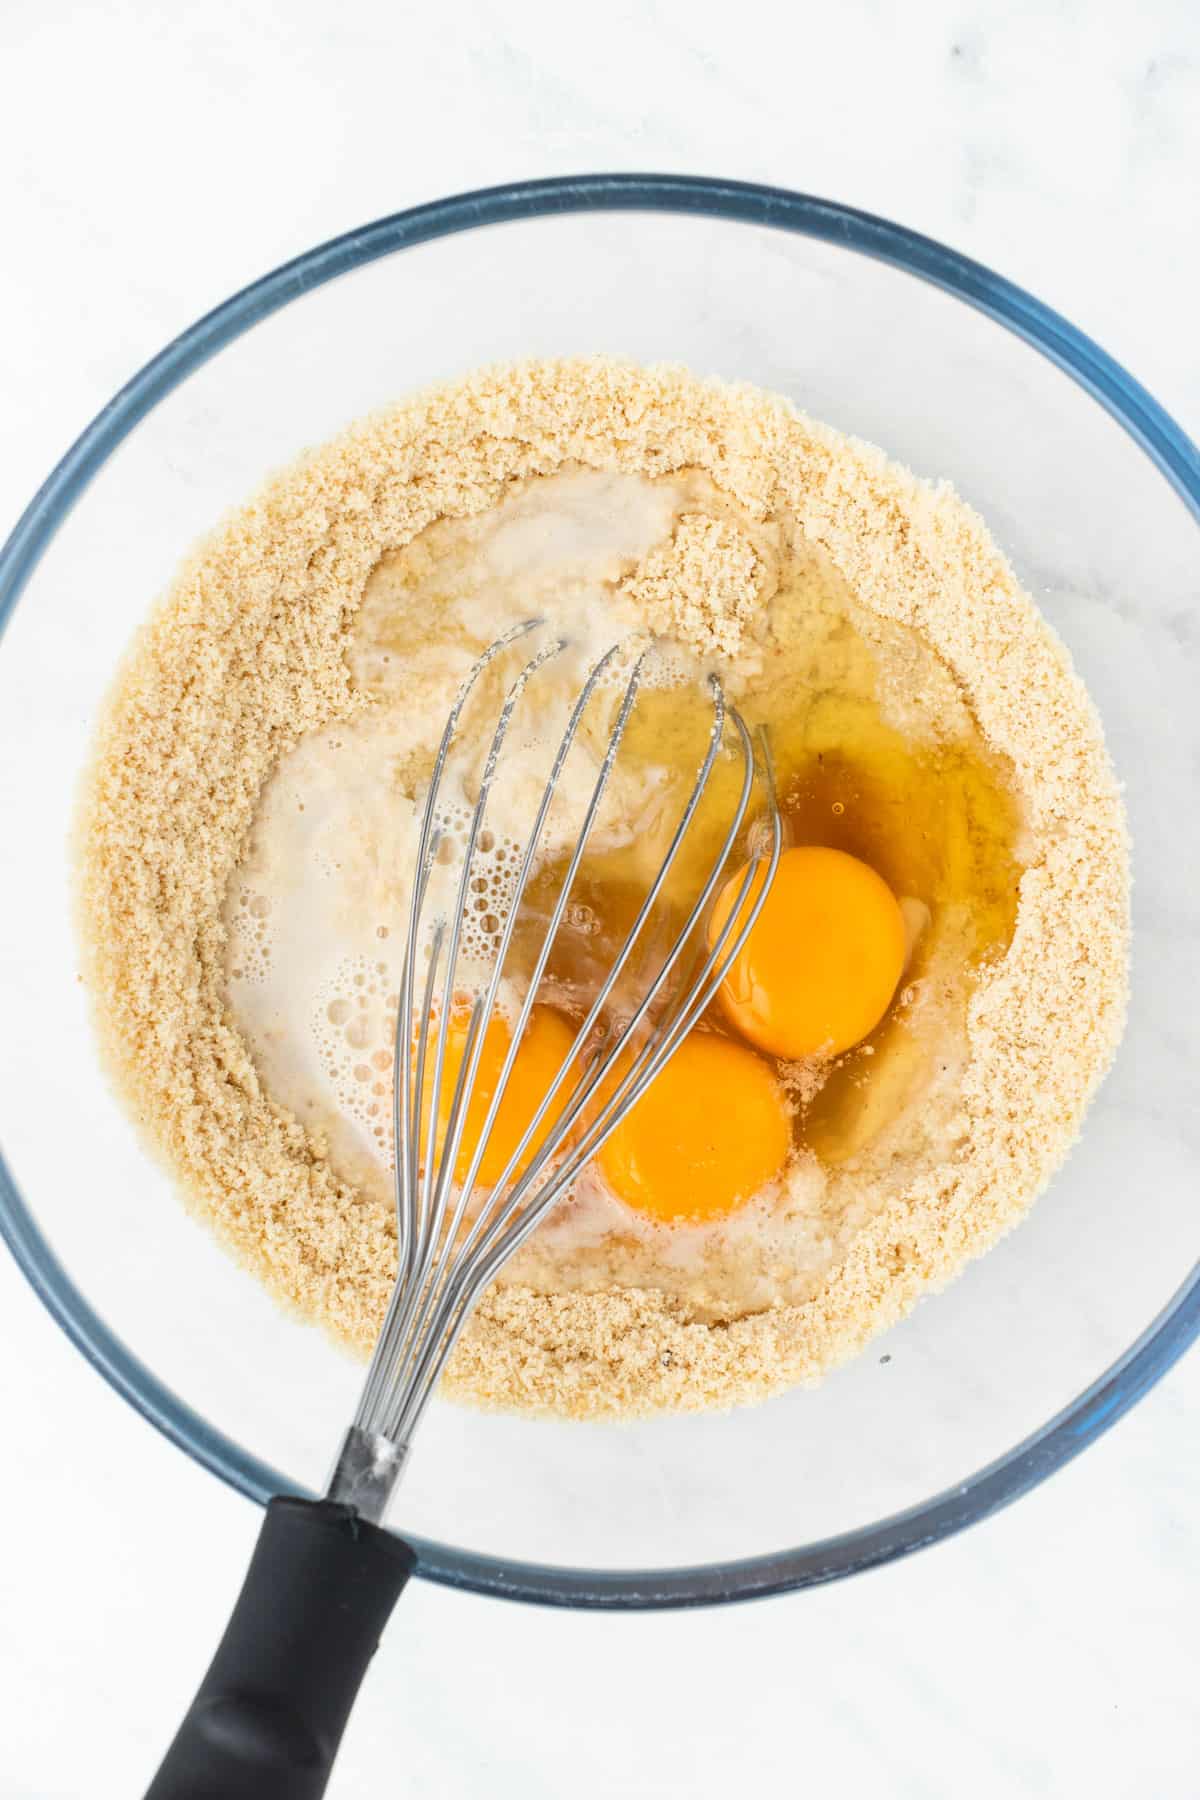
[1162, 440]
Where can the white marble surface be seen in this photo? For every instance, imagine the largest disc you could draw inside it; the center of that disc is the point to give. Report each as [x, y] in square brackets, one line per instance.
[153, 160]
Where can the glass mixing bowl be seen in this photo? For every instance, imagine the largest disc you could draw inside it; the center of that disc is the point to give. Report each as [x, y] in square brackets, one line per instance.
[1095, 495]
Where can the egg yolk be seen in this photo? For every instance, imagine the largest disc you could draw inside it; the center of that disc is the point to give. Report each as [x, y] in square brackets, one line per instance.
[546, 1045]
[709, 1132]
[818, 971]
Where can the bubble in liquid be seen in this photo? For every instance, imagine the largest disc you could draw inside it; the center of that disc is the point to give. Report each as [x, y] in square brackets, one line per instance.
[381, 931]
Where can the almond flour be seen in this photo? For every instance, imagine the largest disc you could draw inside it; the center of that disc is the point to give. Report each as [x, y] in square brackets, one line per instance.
[252, 649]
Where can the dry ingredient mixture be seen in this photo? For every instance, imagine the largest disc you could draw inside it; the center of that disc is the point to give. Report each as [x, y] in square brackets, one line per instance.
[247, 823]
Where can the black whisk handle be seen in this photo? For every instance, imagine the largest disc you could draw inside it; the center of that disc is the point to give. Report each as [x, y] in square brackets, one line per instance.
[269, 1715]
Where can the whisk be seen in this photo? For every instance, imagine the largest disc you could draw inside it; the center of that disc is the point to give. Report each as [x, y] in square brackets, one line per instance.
[269, 1715]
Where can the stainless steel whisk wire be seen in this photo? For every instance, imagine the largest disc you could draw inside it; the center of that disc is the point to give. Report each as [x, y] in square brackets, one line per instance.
[438, 1279]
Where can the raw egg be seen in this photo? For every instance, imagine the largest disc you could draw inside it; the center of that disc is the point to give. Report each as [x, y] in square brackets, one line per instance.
[545, 1047]
[820, 967]
[710, 1131]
